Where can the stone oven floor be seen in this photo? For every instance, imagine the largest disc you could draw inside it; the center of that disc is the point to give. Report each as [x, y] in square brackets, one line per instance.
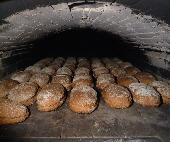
[105, 124]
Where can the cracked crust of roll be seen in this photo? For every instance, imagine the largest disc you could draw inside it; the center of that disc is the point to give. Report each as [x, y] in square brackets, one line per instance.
[6, 86]
[104, 79]
[71, 66]
[83, 99]
[145, 77]
[41, 79]
[126, 80]
[100, 70]
[21, 76]
[82, 79]
[50, 97]
[64, 80]
[24, 93]
[145, 95]
[117, 96]
[12, 112]
[132, 70]
[82, 70]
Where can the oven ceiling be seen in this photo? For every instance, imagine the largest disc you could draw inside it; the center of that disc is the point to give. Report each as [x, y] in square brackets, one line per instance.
[143, 22]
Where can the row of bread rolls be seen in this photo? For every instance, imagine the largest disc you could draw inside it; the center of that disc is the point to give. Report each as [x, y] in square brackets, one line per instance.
[46, 81]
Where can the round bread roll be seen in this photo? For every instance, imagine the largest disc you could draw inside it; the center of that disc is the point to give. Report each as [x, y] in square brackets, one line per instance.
[64, 80]
[145, 95]
[60, 58]
[24, 93]
[33, 69]
[21, 76]
[71, 60]
[111, 65]
[105, 60]
[104, 79]
[164, 89]
[47, 60]
[82, 79]
[79, 59]
[50, 97]
[12, 112]
[100, 70]
[126, 80]
[97, 65]
[64, 70]
[145, 77]
[83, 99]
[116, 96]
[55, 65]
[40, 64]
[84, 64]
[117, 71]
[116, 60]
[82, 70]
[124, 65]
[48, 70]
[70, 65]
[41, 79]
[132, 70]
[6, 86]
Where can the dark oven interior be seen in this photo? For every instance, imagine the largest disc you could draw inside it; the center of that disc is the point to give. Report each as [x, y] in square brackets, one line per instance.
[135, 31]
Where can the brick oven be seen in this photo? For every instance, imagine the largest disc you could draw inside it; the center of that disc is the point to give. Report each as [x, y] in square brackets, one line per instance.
[135, 31]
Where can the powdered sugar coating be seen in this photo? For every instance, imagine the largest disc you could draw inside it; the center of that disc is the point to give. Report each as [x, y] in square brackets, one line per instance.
[21, 76]
[23, 92]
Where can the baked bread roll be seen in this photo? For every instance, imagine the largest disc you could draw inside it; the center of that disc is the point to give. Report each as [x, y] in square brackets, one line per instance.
[82, 79]
[71, 60]
[83, 99]
[40, 64]
[145, 95]
[132, 70]
[48, 70]
[104, 79]
[12, 112]
[79, 59]
[55, 65]
[33, 69]
[145, 77]
[117, 71]
[47, 60]
[50, 97]
[124, 65]
[64, 70]
[110, 65]
[116, 60]
[100, 70]
[6, 86]
[41, 79]
[116, 96]
[164, 90]
[82, 70]
[64, 80]
[21, 76]
[84, 64]
[105, 60]
[70, 65]
[24, 93]
[126, 80]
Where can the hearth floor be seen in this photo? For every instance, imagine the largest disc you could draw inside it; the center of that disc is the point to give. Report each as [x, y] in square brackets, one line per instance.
[105, 124]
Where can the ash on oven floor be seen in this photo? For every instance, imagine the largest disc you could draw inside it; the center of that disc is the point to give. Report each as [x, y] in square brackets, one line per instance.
[105, 124]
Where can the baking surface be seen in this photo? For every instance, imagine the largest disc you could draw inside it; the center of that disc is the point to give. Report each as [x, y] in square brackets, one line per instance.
[136, 123]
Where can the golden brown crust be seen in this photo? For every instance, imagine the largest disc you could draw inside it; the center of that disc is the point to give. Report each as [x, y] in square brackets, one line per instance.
[21, 76]
[83, 99]
[117, 71]
[145, 95]
[33, 69]
[64, 80]
[124, 65]
[6, 86]
[126, 80]
[50, 97]
[12, 112]
[24, 93]
[48, 70]
[41, 79]
[145, 77]
[100, 70]
[104, 79]
[64, 70]
[132, 70]
[116, 96]
[82, 79]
